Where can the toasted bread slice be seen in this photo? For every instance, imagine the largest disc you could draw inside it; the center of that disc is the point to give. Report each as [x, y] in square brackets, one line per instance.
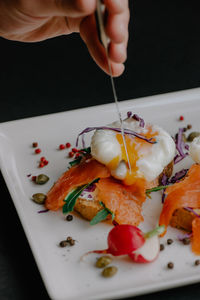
[182, 219]
[89, 208]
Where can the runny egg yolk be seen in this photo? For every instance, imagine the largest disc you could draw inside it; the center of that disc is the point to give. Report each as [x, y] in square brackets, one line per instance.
[135, 147]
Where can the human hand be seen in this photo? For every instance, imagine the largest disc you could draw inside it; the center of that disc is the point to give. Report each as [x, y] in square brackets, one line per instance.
[37, 20]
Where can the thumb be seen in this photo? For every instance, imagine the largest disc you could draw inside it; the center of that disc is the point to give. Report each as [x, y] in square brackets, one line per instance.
[67, 8]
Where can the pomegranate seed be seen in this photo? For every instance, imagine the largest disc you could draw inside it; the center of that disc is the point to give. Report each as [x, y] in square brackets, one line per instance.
[37, 151]
[62, 146]
[33, 178]
[181, 118]
[68, 145]
[77, 155]
[74, 150]
[41, 165]
[42, 159]
[45, 162]
[35, 144]
[71, 154]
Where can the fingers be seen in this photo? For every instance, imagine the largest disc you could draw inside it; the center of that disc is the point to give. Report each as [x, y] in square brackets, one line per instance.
[88, 33]
[68, 8]
[117, 31]
[117, 28]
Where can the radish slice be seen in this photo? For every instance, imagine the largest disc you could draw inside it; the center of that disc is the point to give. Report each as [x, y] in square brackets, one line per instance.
[148, 252]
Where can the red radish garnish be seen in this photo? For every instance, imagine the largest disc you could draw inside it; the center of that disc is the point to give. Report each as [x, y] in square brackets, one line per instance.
[150, 249]
[148, 252]
[130, 240]
[123, 239]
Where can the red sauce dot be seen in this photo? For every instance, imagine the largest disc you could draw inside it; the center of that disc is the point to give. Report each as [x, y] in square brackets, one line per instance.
[181, 118]
[45, 162]
[42, 159]
[74, 150]
[41, 165]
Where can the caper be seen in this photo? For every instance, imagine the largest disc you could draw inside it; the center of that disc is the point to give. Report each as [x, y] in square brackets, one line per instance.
[109, 271]
[193, 135]
[103, 261]
[39, 198]
[69, 239]
[197, 262]
[41, 179]
[63, 244]
[72, 242]
[170, 265]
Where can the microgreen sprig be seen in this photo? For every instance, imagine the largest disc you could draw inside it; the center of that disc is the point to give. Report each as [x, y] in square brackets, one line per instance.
[102, 215]
[70, 199]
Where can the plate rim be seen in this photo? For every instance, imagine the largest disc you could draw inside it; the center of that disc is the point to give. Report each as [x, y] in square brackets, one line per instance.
[152, 287]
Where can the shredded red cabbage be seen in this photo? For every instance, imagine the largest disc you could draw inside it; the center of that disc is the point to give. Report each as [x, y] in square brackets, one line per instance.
[43, 211]
[164, 181]
[181, 237]
[187, 147]
[192, 211]
[178, 158]
[179, 175]
[180, 146]
[126, 131]
[137, 118]
[90, 188]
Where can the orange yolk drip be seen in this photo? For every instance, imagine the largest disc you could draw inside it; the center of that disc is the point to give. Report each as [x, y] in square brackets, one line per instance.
[135, 146]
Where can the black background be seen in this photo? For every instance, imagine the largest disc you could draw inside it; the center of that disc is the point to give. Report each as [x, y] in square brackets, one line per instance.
[58, 75]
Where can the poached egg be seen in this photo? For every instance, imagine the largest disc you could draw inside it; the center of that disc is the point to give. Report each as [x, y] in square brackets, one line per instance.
[194, 150]
[147, 160]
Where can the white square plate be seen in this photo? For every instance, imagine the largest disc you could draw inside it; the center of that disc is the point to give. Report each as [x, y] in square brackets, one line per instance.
[65, 277]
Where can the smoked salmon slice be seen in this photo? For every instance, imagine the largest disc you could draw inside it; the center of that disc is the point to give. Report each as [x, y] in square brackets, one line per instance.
[76, 176]
[196, 236]
[124, 201]
[185, 193]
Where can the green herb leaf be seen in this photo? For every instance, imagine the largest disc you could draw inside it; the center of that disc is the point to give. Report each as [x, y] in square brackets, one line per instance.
[112, 214]
[100, 216]
[75, 161]
[157, 188]
[71, 198]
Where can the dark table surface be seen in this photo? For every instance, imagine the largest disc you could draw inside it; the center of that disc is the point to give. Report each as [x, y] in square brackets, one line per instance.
[59, 75]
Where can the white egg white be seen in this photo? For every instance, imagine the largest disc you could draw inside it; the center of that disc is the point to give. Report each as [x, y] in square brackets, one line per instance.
[194, 150]
[105, 147]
